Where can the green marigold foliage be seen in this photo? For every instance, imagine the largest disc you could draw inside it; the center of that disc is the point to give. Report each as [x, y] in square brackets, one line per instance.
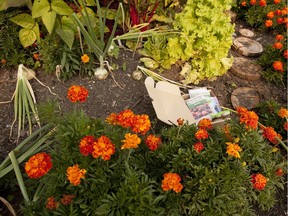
[214, 183]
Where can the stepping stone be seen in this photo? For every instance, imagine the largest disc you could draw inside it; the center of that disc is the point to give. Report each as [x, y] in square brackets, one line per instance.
[245, 69]
[245, 97]
[247, 47]
[246, 33]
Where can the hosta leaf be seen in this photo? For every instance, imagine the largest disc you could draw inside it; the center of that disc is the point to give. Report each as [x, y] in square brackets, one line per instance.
[61, 8]
[24, 20]
[49, 20]
[40, 7]
[27, 37]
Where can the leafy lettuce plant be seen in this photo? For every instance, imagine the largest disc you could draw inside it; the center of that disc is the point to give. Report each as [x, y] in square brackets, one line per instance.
[204, 38]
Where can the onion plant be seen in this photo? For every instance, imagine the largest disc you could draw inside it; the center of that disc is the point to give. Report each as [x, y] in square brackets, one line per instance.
[24, 100]
[95, 39]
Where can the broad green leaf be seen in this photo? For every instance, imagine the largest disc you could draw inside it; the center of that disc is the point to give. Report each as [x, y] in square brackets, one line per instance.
[24, 20]
[4, 4]
[66, 34]
[69, 22]
[27, 37]
[37, 31]
[61, 8]
[90, 3]
[40, 7]
[49, 20]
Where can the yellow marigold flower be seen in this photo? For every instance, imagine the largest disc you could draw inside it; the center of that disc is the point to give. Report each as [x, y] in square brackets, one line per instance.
[74, 174]
[233, 149]
[171, 181]
[112, 119]
[201, 134]
[259, 181]
[51, 203]
[38, 165]
[141, 124]
[283, 113]
[205, 124]
[103, 147]
[131, 141]
[77, 93]
[85, 58]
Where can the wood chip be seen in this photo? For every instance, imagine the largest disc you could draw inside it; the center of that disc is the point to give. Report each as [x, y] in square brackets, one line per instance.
[245, 97]
[247, 47]
[246, 69]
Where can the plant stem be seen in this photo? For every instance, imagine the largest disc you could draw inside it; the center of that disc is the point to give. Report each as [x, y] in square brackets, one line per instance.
[19, 176]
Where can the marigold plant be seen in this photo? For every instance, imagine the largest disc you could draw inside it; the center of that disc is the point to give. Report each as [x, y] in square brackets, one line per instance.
[201, 134]
[198, 146]
[153, 142]
[171, 181]
[259, 181]
[51, 203]
[74, 174]
[86, 145]
[38, 165]
[103, 147]
[130, 141]
[77, 93]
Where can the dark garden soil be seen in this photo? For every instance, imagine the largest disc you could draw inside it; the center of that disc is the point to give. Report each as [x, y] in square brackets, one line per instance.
[121, 91]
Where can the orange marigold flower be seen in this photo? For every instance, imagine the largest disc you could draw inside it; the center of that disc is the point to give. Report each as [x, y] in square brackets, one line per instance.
[285, 54]
[86, 145]
[141, 124]
[244, 4]
[3, 61]
[125, 118]
[67, 199]
[51, 203]
[198, 146]
[249, 118]
[77, 93]
[277, 1]
[205, 124]
[284, 11]
[279, 37]
[180, 121]
[253, 2]
[278, 66]
[36, 56]
[278, 45]
[85, 58]
[233, 149]
[270, 15]
[268, 23]
[38, 165]
[286, 126]
[262, 3]
[74, 174]
[283, 113]
[131, 141]
[201, 134]
[278, 12]
[153, 142]
[259, 181]
[279, 172]
[280, 20]
[171, 181]
[271, 135]
[103, 147]
[112, 119]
